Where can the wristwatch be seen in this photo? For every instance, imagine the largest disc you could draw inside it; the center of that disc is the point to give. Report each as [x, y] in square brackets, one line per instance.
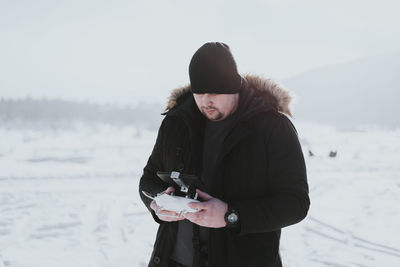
[232, 217]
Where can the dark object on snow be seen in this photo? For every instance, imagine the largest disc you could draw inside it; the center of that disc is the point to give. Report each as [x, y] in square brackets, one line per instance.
[332, 154]
[310, 153]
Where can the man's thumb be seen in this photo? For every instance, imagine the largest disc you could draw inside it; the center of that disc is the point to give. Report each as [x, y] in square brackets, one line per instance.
[203, 195]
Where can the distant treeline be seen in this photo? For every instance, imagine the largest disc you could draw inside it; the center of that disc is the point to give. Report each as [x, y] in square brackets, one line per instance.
[61, 112]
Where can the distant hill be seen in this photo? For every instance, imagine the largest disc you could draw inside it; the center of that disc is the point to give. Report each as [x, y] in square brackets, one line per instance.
[61, 113]
[365, 91]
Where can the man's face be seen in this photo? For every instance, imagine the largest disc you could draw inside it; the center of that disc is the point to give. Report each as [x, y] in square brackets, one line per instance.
[217, 107]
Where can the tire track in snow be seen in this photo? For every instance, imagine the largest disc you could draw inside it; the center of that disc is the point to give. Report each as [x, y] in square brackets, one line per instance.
[335, 234]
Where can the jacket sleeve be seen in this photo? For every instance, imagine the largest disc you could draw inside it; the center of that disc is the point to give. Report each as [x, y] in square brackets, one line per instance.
[149, 181]
[287, 200]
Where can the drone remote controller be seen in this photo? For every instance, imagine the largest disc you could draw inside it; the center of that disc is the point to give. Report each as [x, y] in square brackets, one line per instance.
[185, 192]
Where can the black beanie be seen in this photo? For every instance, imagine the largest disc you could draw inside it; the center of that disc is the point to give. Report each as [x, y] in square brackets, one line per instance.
[213, 70]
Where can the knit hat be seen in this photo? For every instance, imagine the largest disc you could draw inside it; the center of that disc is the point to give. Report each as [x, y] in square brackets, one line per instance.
[213, 70]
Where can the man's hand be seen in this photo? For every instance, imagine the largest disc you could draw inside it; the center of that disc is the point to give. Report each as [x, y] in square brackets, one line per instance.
[166, 213]
[211, 214]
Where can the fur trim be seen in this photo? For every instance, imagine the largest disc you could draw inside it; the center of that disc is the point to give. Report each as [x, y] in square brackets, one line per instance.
[176, 95]
[273, 94]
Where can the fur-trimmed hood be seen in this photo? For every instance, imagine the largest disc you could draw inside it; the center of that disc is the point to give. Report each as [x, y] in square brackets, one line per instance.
[272, 94]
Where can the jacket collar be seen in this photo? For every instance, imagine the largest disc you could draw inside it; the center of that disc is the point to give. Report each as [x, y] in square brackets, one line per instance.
[273, 94]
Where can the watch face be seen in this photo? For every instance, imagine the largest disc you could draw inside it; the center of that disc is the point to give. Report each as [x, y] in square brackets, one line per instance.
[232, 218]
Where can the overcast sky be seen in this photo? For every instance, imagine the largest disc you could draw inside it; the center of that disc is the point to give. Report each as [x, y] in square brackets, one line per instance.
[131, 51]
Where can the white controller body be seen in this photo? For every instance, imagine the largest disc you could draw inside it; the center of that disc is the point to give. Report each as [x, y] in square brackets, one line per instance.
[174, 203]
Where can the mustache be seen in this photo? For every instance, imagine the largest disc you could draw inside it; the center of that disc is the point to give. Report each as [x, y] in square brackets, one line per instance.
[209, 107]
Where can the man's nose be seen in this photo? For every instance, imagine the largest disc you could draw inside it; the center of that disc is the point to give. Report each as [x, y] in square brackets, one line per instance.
[207, 99]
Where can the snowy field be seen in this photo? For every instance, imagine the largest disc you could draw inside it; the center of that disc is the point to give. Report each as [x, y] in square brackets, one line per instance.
[70, 198]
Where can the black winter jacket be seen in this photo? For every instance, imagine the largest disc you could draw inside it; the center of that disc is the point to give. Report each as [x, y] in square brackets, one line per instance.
[260, 171]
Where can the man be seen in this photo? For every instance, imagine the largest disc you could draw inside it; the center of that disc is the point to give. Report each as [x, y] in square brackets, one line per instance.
[232, 132]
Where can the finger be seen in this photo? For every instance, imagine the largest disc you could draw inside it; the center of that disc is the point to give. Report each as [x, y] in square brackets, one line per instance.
[190, 216]
[167, 213]
[203, 195]
[194, 215]
[170, 190]
[197, 218]
[168, 216]
[153, 205]
[199, 205]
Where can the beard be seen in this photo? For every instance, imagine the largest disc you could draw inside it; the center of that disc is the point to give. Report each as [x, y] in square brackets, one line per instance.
[214, 115]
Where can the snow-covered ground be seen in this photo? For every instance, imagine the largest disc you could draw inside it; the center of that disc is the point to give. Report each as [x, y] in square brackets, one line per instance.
[70, 198]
